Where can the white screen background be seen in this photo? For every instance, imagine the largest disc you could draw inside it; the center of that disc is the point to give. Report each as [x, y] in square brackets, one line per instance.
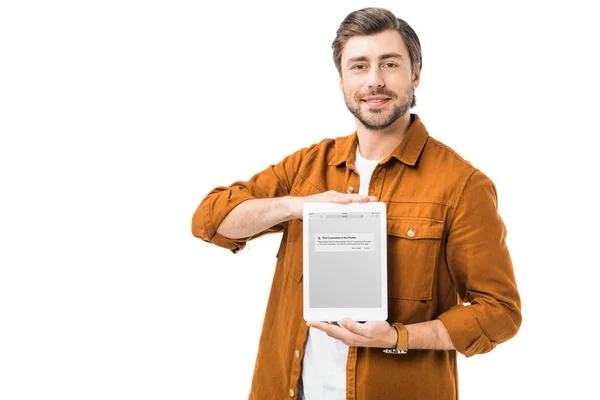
[345, 279]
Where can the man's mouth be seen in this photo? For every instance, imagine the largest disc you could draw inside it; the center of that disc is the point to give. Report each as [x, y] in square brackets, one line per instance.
[376, 101]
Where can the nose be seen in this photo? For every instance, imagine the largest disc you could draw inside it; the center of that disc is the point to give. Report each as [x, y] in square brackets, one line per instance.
[375, 78]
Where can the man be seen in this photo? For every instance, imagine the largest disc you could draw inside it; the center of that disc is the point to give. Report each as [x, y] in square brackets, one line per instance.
[446, 240]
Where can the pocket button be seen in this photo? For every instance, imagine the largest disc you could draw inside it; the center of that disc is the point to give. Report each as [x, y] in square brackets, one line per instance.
[410, 233]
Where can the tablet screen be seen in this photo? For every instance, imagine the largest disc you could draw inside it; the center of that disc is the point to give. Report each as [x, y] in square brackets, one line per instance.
[345, 260]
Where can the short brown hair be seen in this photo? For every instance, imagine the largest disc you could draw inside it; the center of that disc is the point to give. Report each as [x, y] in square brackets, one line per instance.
[371, 21]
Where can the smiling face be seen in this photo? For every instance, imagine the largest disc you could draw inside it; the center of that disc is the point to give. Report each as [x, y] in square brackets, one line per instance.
[377, 80]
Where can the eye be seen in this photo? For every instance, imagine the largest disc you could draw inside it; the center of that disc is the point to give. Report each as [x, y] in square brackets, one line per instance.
[358, 67]
[389, 65]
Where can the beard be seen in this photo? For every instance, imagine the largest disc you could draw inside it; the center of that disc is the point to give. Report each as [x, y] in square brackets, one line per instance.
[376, 119]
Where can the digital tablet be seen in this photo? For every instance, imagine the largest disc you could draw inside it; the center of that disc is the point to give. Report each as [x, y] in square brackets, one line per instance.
[345, 261]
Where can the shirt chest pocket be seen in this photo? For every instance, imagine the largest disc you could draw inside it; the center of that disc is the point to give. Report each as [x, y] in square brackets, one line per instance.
[412, 249]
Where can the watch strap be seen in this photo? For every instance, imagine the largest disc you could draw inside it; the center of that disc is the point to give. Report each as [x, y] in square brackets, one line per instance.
[401, 341]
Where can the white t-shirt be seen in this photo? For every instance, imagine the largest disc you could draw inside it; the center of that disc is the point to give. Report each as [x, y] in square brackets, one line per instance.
[324, 363]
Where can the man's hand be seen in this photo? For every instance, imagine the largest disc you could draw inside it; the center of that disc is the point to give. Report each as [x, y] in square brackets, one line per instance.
[352, 333]
[331, 196]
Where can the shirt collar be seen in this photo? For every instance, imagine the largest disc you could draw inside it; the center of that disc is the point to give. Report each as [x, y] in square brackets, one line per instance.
[408, 151]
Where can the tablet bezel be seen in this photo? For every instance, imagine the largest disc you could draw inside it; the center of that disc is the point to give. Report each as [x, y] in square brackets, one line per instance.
[337, 314]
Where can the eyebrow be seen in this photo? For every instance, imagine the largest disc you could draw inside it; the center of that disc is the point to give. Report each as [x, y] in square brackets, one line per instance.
[381, 57]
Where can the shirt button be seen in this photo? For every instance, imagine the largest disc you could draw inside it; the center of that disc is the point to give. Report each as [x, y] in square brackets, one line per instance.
[291, 392]
[350, 189]
[297, 354]
[410, 233]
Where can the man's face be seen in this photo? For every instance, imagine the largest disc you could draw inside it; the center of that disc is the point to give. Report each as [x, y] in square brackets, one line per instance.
[376, 79]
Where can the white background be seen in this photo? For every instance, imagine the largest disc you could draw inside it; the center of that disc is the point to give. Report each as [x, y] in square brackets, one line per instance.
[118, 117]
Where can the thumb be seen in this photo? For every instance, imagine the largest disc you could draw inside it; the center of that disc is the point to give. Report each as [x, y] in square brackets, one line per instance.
[355, 327]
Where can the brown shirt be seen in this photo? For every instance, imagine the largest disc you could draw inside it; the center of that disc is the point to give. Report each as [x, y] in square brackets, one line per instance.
[455, 254]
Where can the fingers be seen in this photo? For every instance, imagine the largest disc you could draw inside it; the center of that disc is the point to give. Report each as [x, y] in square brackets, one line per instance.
[354, 198]
[362, 198]
[330, 328]
[336, 332]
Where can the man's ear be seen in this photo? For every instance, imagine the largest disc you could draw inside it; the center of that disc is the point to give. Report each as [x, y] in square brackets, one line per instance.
[417, 76]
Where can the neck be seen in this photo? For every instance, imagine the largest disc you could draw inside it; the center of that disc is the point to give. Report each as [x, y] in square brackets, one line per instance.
[376, 145]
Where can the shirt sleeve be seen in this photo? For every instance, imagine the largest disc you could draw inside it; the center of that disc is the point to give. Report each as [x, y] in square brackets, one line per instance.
[481, 268]
[274, 181]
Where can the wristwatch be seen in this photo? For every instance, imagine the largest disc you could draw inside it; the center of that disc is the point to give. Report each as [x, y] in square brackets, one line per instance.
[402, 341]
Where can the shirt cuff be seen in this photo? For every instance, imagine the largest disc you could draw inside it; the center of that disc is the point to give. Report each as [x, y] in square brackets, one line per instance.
[210, 222]
[465, 332]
